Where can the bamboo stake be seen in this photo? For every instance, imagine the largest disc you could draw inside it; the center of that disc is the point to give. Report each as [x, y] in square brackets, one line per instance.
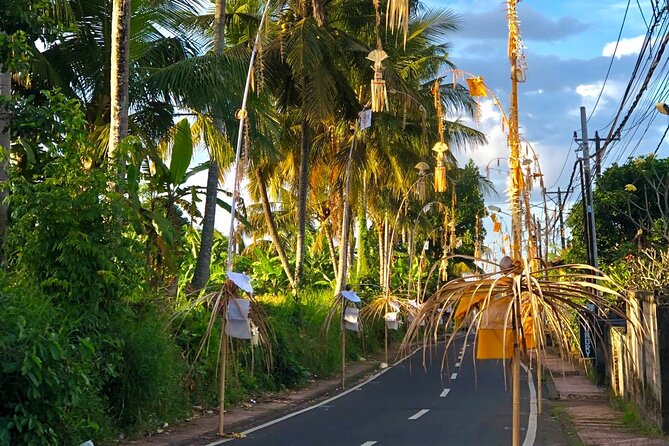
[343, 345]
[223, 367]
[516, 395]
[539, 377]
[385, 332]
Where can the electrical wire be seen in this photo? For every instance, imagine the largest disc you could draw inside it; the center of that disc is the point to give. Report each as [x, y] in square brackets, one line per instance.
[613, 57]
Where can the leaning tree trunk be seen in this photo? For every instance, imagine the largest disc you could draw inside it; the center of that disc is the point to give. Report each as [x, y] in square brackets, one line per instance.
[361, 265]
[5, 143]
[331, 247]
[302, 192]
[120, 71]
[203, 265]
[271, 228]
[382, 259]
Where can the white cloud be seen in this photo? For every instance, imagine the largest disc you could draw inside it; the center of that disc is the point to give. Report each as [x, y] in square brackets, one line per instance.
[590, 92]
[626, 47]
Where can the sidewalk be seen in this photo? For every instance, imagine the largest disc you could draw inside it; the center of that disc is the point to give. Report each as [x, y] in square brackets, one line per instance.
[595, 421]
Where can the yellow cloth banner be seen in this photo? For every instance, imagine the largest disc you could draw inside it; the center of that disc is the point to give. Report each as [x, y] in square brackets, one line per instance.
[476, 86]
[495, 335]
[477, 296]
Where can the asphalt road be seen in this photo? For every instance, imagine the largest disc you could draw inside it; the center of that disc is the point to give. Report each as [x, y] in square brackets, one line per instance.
[409, 406]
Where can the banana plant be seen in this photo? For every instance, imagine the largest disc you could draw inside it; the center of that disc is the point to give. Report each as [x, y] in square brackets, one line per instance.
[171, 199]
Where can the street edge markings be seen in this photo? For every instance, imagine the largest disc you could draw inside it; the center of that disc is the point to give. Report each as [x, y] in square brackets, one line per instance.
[531, 434]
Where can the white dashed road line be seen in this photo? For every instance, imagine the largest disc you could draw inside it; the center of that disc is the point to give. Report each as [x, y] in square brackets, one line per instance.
[531, 434]
[444, 393]
[457, 364]
[419, 414]
[369, 443]
[454, 375]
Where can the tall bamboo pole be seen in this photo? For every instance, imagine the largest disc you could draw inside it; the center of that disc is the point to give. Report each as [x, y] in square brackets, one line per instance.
[515, 47]
[242, 114]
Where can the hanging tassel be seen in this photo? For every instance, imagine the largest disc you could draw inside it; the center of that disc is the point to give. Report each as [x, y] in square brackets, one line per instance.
[440, 170]
[443, 270]
[440, 177]
[421, 189]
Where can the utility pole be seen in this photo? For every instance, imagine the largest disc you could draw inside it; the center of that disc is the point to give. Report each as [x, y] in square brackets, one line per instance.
[560, 206]
[587, 192]
[537, 225]
[599, 153]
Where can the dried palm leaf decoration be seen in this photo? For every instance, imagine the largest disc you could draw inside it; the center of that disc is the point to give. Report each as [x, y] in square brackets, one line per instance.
[397, 16]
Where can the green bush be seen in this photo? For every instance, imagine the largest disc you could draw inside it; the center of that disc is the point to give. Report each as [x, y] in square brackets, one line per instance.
[147, 389]
[48, 391]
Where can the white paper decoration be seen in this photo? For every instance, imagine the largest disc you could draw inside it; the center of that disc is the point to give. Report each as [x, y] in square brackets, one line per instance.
[391, 320]
[237, 319]
[351, 318]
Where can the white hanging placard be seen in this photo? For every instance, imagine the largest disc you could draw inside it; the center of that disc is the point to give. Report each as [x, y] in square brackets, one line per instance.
[351, 319]
[237, 319]
[391, 320]
[365, 119]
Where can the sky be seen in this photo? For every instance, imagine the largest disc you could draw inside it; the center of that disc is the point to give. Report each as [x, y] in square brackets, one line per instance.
[569, 45]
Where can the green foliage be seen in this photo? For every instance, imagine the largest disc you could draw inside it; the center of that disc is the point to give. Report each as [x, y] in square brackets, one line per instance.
[647, 271]
[182, 152]
[148, 360]
[630, 211]
[67, 235]
[48, 391]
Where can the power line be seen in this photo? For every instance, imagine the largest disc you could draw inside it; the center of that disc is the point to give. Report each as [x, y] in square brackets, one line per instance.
[613, 57]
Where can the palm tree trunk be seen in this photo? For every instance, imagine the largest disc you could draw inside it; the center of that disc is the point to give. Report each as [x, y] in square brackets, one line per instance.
[351, 243]
[271, 228]
[120, 71]
[5, 143]
[382, 260]
[203, 265]
[361, 264]
[331, 247]
[302, 192]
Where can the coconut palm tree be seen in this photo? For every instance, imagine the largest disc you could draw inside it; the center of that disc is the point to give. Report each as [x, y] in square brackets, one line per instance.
[119, 76]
